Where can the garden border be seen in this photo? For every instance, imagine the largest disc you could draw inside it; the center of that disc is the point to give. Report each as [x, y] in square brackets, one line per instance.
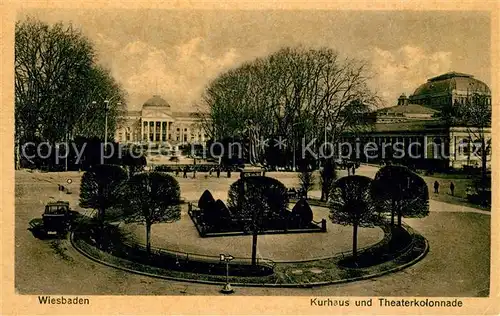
[423, 253]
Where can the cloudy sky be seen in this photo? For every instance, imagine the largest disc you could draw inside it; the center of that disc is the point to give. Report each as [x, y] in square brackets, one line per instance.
[175, 53]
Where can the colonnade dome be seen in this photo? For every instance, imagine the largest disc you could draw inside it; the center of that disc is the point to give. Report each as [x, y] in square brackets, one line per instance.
[448, 88]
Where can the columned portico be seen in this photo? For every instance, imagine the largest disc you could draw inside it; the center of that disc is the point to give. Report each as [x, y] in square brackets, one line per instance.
[156, 130]
[158, 124]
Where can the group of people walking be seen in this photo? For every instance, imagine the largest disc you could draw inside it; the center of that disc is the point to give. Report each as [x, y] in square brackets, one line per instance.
[187, 169]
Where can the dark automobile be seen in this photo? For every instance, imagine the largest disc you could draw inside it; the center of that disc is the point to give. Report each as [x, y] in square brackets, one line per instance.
[57, 218]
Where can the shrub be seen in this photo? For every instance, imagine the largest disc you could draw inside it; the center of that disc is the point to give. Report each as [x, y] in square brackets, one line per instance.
[99, 188]
[352, 204]
[221, 209]
[152, 197]
[264, 195]
[206, 200]
[134, 161]
[401, 192]
[257, 200]
[216, 214]
[163, 168]
[302, 212]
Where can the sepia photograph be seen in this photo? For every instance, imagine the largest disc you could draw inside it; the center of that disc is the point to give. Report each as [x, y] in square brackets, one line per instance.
[322, 154]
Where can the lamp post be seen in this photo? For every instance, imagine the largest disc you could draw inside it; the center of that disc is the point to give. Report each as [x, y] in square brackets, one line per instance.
[325, 132]
[294, 149]
[326, 128]
[106, 110]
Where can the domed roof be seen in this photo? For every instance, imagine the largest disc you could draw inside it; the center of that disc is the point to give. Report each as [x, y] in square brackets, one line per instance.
[448, 82]
[156, 100]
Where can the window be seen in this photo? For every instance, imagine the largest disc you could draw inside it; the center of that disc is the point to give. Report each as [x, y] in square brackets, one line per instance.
[437, 148]
[463, 146]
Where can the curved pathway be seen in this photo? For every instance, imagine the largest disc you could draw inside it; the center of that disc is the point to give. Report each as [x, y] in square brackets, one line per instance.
[458, 263]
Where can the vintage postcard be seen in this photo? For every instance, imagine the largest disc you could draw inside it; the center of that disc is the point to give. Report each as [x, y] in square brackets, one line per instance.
[239, 158]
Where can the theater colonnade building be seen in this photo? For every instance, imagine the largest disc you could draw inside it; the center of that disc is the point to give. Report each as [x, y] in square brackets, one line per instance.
[424, 140]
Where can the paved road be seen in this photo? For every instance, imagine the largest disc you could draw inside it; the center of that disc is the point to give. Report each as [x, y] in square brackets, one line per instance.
[457, 264]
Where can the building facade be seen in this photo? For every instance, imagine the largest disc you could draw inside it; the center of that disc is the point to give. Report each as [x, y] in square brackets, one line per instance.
[448, 88]
[157, 124]
[413, 133]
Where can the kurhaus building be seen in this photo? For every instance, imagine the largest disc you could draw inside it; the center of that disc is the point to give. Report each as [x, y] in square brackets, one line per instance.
[422, 138]
[156, 123]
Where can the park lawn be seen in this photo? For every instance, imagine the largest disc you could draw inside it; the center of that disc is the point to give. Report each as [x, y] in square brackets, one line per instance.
[444, 195]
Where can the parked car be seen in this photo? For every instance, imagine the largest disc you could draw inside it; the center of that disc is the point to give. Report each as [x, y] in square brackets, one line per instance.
[57, 218]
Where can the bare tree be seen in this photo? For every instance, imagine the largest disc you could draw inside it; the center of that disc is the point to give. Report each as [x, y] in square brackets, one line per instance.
[56, 80]
[292, 92]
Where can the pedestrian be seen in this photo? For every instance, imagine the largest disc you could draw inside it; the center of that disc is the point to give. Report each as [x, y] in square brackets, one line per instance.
[436, 187]
[229, 172]
[194, 173]
[452, 189]
[184, 175]
[218, 172]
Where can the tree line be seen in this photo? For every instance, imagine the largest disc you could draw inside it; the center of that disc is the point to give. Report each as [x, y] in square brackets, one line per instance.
[154, 197]
[60, 88]
[293, 93]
